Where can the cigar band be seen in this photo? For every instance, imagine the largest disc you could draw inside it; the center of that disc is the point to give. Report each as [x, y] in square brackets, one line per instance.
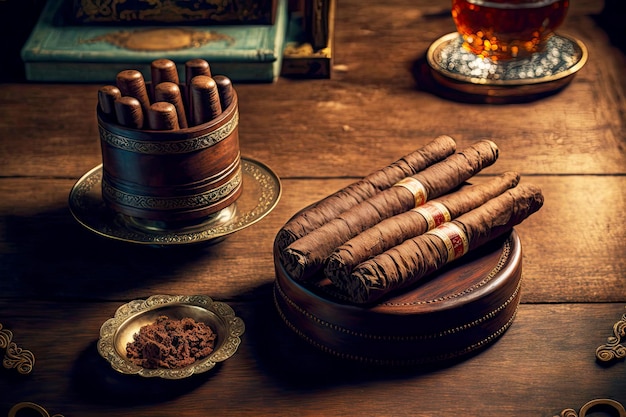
[454, 238]
[434, 213]
[416, 188]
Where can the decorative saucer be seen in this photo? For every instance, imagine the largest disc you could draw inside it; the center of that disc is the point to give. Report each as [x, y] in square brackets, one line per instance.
[261, 192]
[455, 67]
[119, 330]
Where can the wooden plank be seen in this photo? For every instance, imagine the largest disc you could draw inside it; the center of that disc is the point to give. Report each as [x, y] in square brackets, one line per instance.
[569, 246]
[543, 364]
[370, 113]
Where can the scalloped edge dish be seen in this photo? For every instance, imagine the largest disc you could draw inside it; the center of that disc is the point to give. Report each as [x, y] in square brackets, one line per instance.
[118, 331]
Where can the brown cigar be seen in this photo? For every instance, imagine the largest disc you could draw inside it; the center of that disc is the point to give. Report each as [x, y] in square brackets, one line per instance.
[332, 206]
[304, 257]
[170, 93]
[205, 100]
[195, 67]
[128, 112]
[162, 116]
[131, 83]
[415, 258]
[163, 70]
[225, 88]
[106, 97]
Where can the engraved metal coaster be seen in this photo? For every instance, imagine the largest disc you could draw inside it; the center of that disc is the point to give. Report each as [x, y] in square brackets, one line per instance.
[459, 69]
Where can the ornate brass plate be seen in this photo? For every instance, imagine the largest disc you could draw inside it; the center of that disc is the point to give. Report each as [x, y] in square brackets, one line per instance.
[261, 193]
[118, 331]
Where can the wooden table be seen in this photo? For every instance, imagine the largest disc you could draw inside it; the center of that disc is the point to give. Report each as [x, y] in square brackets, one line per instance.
[60, 282]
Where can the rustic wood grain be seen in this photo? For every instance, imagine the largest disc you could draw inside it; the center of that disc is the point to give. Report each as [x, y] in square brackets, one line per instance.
[547, 354]
[568, 246]
[340, 119]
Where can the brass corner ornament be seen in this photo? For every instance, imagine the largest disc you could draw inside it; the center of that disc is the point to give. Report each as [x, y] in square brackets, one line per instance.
[15, 357]
[27, 405]
[613, 350]
[592, 406]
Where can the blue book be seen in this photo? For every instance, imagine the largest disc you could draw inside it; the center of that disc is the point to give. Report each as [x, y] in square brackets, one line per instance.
[60, 52]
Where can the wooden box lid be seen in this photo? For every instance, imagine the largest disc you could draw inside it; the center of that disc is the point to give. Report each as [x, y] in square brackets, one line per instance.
[457, 311]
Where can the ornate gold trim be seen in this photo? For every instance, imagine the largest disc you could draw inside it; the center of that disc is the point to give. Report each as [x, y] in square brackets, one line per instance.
[15, 357]
[613, 350]
[570, 412]
[161, 39]
[154, 147]
[206, 199]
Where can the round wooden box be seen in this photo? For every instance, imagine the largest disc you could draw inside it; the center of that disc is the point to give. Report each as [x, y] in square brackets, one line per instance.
[455, 312]
[182, 175]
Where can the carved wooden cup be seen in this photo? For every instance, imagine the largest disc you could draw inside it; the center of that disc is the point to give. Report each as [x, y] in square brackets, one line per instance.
[172, 177]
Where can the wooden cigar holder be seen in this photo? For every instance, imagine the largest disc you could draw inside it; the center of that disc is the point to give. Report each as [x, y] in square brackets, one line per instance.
[171, 177]
[447, 316]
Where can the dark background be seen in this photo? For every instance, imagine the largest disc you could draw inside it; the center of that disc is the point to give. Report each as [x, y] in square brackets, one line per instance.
[18, 17]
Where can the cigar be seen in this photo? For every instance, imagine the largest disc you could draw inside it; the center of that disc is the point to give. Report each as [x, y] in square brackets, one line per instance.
[330, 207]
[225, 89]
[406, 264]
[162, 116]
[195, 67]
[163, 70]
[169, 92]
[395, 230]
[129, 112]
[205, 100]
[304, 257]
[106, 99]
[131, 83]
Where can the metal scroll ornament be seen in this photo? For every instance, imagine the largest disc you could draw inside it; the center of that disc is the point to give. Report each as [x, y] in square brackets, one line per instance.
[613, 349]
[33, 407]
[15, 357]
[594, 405]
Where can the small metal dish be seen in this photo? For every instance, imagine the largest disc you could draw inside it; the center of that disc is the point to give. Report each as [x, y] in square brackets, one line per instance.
[118, 331]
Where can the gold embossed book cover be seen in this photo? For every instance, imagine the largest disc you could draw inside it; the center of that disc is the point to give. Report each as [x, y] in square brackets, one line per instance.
[60, 50]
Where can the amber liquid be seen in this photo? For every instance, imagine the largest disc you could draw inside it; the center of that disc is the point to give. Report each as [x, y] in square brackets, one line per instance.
[507, 29]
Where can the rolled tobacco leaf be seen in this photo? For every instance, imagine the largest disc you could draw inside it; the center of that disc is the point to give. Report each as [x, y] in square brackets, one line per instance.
[330, 207]
[407, 263]
[394, 230]
[304, 257]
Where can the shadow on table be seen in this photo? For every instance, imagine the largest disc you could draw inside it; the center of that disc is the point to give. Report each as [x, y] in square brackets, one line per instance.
[98, 383]
[297, 365]
[84, 264]
[425, 81]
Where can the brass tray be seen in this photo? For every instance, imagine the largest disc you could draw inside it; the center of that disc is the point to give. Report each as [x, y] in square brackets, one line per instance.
[454, 67]
[118, 331]
[261, 193]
